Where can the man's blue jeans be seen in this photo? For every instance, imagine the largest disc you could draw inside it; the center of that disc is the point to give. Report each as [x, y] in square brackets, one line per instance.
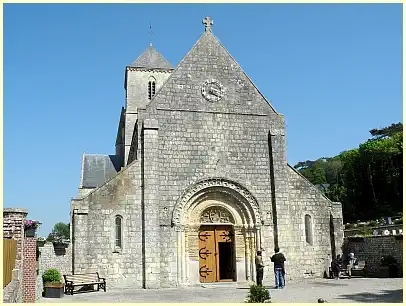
[279, 278]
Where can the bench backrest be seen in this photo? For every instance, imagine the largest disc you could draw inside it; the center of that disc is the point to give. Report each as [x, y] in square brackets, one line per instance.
[82, 278]
[361, 263]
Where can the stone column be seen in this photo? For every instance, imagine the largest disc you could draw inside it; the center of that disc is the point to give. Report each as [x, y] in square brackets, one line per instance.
[252, 248]
[150, 203]
[258, 237]
[179, 253]
[247, 252]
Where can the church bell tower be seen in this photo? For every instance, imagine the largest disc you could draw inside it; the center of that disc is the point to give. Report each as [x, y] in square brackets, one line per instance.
[143, 78]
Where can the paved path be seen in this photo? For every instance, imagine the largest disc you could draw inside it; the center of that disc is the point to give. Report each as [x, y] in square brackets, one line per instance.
[356, 290]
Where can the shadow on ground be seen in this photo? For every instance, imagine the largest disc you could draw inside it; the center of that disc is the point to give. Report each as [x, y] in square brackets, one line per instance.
[386, 296]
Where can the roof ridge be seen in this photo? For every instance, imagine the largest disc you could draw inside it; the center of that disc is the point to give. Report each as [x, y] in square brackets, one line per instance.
[245, 74]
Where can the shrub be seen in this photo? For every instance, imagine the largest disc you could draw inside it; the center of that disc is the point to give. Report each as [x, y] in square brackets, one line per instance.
[373, 223]
[398, 221]
[51, 276]
[349, 226]
[365, 231]
[258, 294]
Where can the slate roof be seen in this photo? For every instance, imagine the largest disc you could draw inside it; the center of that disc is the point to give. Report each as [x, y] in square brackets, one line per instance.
[151, 58]
[97, 169]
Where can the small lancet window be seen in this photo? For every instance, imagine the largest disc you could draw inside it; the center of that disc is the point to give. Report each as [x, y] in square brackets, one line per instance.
[119, 232]
[308, 229]
[151, 89]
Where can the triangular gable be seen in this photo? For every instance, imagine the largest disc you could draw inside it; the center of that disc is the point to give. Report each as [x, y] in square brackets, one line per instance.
[208, 68]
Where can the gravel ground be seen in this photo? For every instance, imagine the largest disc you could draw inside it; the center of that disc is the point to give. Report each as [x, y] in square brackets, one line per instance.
[356, 290]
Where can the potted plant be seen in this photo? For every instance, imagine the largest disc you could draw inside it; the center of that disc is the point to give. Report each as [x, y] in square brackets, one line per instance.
[53, 286]
[30, 226]
[59, 242]
[389, 266]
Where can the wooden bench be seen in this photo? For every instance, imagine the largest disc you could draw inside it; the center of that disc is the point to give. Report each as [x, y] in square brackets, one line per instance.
[359, 267]
[88, 279]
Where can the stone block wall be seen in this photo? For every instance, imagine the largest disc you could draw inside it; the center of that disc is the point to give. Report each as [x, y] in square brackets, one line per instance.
[93, 230]
[373, 248]
[311, 259]
[48, 259]
[13, 228]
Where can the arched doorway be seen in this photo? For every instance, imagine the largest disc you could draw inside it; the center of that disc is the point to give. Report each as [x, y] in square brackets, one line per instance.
[218, 228]
[216, 246]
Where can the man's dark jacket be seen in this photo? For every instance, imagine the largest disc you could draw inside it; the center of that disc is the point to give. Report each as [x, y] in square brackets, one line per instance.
[279, 259]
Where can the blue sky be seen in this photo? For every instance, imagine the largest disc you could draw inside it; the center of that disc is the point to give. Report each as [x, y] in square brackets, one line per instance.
[334, 71]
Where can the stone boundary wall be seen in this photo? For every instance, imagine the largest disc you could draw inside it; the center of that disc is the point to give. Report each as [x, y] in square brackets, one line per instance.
[13, 228]
[373, 248]
[48, 259]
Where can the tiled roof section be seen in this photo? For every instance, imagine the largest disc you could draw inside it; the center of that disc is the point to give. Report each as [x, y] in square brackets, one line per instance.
[151, 58]
[97, 169]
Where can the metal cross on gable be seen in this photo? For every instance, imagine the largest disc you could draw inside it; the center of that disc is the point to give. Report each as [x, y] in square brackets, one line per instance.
[208, 22]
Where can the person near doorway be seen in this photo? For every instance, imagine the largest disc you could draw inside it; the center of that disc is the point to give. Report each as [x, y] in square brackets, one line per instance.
[337, 265]
[278, 260]
[259, 264]
[351, 261]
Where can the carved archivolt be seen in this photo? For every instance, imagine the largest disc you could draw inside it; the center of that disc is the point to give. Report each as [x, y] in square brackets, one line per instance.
[218, 185]
[216, 215]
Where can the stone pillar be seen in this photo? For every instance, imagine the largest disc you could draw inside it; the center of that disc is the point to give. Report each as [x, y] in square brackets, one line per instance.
[150, 203]
[13, 227]
[338, 226]
[29, 268]
[258, 237]
[180, 253]
[282, 216]
[79, 236]
[252, 252]
[247, 253]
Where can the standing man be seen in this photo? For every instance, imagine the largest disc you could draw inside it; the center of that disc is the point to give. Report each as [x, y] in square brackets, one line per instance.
[259, 264]
[279, 268]
[351, 261]
[337, 264]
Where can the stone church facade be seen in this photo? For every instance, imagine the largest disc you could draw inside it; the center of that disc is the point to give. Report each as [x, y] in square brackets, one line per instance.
[199, 182]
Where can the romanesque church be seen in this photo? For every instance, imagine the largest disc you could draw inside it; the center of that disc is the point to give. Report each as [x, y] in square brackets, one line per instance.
[198, 183]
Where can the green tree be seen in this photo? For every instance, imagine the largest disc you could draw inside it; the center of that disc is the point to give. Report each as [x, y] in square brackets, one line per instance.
[366, 180]
[60, 231]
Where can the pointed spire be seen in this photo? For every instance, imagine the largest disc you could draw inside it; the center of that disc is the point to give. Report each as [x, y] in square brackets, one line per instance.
[151, 59]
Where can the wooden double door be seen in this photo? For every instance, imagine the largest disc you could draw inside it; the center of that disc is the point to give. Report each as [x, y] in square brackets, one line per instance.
[216, 253]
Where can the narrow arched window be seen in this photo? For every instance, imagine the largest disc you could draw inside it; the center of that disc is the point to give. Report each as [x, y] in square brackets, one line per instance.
[119, 232]
[151, 89]
[308, 229]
